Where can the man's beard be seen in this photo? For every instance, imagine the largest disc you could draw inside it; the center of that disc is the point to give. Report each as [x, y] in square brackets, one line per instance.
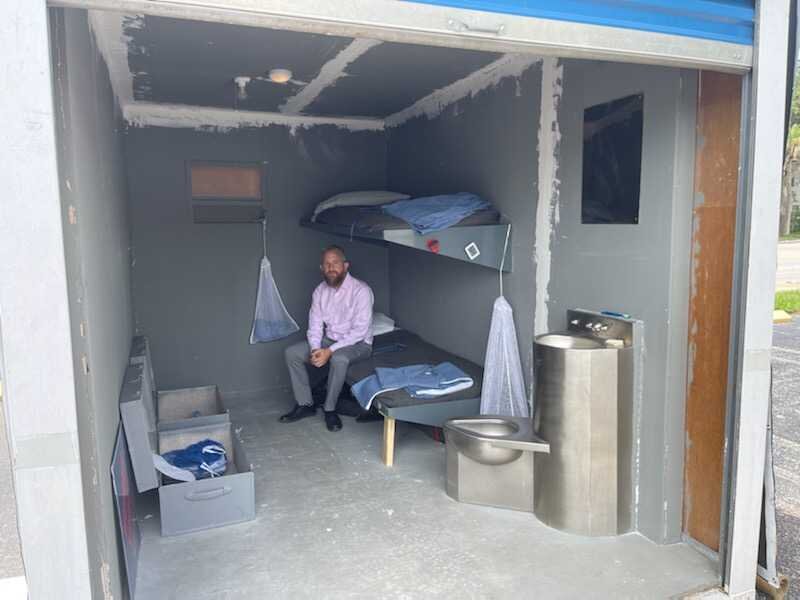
[335, 280]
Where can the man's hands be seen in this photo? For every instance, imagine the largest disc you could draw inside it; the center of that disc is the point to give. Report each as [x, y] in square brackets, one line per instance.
[320, 357]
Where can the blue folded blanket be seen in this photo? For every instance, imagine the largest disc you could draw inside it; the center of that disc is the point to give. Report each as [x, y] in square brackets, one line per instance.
[420, 381]
[434, 213]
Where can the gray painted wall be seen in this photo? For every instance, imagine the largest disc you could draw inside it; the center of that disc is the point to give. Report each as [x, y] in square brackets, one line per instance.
[96, 241]
[488, 144]
[639, 269]
[195, 285]
[484, 144]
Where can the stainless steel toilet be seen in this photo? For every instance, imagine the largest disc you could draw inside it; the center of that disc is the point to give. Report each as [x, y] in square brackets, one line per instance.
[490, 460]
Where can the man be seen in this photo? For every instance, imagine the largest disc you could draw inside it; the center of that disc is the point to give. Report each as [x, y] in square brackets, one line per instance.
[339, 333]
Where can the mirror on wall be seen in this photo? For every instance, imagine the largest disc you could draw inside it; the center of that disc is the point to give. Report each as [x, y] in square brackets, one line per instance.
[612, 161]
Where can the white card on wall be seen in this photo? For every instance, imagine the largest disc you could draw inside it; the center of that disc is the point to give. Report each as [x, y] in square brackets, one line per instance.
[472, 250]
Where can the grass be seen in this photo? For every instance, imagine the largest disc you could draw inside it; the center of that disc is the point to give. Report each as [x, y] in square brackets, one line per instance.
[792, 236]
[788, 301]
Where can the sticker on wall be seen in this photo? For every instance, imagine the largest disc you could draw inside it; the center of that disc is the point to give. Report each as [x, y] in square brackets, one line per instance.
[472, 250]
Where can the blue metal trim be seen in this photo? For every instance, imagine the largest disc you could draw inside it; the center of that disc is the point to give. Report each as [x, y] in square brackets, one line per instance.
[722, 20]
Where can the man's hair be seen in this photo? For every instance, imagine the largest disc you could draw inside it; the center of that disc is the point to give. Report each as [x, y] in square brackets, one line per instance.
[338, 250]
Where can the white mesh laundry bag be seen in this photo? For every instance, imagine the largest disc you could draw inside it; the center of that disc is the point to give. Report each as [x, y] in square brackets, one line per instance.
[272, 321]
[503, 391]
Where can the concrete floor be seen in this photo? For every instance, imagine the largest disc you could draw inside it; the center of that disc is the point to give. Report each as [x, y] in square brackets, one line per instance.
[333, 522]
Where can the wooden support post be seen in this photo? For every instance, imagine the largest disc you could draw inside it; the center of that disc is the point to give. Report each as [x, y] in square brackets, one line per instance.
[776, 593]
[388, 441]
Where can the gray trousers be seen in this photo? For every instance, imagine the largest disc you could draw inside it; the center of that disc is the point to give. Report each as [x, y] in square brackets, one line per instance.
[298, 356]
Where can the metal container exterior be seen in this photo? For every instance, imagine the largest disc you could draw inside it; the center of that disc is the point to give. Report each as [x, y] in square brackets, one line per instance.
[580, 412]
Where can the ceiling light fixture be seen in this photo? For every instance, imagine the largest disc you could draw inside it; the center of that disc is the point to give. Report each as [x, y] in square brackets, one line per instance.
[280, 75]
[241, 86]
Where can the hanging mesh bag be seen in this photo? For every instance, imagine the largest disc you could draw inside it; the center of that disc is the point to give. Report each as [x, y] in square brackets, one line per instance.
[503, 391]
[272, 321]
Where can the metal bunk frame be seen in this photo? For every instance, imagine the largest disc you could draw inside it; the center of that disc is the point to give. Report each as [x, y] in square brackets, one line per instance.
[454, 242]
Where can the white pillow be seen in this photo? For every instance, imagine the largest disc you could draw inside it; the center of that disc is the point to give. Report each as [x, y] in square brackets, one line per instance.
[381, 323]
[365, 198]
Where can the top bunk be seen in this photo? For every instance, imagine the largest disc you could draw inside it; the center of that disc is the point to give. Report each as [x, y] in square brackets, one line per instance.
[460, 226]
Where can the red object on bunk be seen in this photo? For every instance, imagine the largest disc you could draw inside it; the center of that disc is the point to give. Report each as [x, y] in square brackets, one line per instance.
[433, 246]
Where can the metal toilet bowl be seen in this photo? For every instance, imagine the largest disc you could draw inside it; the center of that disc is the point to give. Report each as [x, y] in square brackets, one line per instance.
[490, 460]
[493, 440]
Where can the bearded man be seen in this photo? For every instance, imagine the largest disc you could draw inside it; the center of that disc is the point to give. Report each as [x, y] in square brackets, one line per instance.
[339, 333]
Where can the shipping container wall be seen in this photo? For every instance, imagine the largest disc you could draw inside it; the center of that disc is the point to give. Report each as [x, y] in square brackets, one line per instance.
[486, 144]
[194, 285]
[641, 269]
[96, 239]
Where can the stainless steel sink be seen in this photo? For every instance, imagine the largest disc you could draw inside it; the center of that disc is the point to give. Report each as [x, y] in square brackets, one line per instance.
[569, 341]
[584, 385]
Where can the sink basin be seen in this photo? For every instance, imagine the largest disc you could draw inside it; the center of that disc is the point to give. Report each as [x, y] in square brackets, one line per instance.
[568, 341]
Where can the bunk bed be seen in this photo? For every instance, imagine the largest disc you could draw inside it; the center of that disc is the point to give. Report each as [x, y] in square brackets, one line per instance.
[479, 238]
[400, 348]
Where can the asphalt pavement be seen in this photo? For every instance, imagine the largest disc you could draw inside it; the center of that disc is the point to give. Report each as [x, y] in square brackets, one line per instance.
[786, 444]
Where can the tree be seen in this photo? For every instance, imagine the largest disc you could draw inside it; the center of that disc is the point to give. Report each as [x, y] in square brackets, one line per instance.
[791, 160]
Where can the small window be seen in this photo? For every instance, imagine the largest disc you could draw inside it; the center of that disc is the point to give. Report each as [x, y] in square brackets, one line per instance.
[612, 161]
[225, 192]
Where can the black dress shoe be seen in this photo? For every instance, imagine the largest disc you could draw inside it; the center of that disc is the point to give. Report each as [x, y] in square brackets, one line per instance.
[349, 407]
[369, 417]
[332, 421]
[298, 412]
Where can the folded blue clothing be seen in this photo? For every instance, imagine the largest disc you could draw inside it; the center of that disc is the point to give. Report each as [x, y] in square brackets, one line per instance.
[205, 458]
[434, 213]
[420, 381]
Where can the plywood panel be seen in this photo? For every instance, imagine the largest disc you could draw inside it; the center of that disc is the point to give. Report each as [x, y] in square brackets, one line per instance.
[716, 179]
[225, 181]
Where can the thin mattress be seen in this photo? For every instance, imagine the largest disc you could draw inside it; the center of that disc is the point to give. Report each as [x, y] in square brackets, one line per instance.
[372, 219]
[414, 351]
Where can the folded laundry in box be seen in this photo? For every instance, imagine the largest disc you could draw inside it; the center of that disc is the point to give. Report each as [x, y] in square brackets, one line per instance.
[206, 458]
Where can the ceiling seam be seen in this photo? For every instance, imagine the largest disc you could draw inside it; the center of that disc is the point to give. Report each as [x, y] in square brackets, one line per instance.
[330, 72]
[113, 43]
[432, 105]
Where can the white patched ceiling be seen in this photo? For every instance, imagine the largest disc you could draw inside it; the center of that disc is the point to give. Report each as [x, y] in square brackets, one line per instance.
[163, 68]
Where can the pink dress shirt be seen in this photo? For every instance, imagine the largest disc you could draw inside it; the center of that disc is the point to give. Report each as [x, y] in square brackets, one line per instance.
[343, 314]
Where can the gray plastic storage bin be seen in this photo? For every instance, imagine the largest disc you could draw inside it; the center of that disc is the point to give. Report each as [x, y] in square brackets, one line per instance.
[185, 506]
